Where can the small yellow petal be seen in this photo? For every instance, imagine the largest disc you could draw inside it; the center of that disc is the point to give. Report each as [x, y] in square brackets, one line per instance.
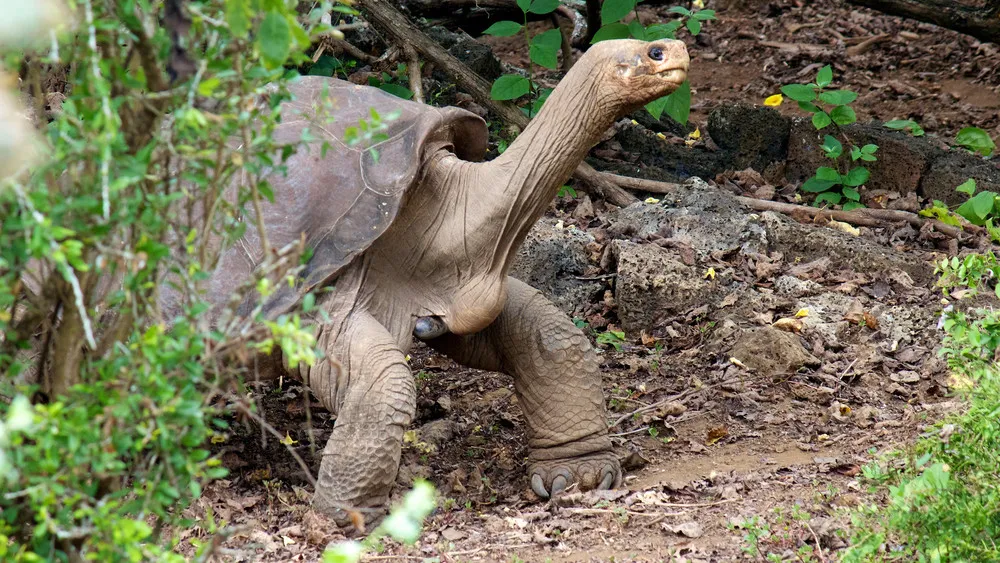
[698, 4]
[652, 200]
[696, 134]
[710, 274]
[288, 441]
[634, 122]
[774, 101]
[661, 136]
[801, 313]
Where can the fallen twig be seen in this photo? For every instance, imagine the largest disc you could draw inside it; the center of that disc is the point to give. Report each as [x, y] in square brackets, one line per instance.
[866, 45]
[864, 217]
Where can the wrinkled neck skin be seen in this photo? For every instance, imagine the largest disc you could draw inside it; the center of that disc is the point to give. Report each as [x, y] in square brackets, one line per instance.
[450, 249]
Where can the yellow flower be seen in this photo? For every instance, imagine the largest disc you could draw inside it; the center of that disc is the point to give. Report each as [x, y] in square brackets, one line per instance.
[801, 313]
[652, 200]
[696, 134]
[774, 101]
[698, 4]
[710, 274]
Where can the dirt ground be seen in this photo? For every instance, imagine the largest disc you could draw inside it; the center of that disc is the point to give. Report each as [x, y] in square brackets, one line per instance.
[714, 449]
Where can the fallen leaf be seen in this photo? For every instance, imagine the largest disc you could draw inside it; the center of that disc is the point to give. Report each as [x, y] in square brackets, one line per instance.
[686, 529]
[870, 320]
[716, 434]
[801, 313]
[729, 300]
[788, 324]
[737, 363]
[845, 227]
[647, 339]
[452, 534]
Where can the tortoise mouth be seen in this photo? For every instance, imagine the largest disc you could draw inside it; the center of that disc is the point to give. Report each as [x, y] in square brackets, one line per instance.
[676, 75]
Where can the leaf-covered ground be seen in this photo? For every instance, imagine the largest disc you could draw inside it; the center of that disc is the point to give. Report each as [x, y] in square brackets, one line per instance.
[716, 446]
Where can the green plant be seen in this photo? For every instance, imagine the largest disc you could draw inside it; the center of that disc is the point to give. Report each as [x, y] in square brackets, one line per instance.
[104, 463]
[543, 49]
[613, 337]
[403, 524]
[980, 209]
[976, 140]
[839, 183]
[944, 492]
[906, 125]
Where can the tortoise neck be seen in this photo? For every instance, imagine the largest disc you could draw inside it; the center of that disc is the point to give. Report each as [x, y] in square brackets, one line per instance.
[527, 176]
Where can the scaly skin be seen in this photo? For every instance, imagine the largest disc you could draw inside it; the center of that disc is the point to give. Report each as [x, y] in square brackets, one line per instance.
[447, 254]
[558, 386]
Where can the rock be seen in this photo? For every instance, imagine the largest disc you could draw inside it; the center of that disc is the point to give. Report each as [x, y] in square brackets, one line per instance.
[550, 261]
[953, 168]
[805, 243]
[792, 286]
[902, 159]
[769, 351]
[652, 285]
[705, 218]
[753, 136]
[905, 376]
[668, 162]
[437, 433]
[477, 56]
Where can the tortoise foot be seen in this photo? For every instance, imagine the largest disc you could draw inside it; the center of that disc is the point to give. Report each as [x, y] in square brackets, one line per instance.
[593, 471]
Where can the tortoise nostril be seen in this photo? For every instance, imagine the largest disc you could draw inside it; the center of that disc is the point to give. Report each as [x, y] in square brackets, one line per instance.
[656, 54]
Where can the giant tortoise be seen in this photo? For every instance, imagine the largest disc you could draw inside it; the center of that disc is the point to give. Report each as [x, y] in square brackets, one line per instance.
[414, 236]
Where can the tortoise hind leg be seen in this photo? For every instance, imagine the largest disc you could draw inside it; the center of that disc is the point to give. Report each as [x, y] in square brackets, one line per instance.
[558, 385]
[361, 458]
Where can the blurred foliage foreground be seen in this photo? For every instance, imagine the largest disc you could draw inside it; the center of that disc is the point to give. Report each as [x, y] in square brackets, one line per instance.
[123, 123]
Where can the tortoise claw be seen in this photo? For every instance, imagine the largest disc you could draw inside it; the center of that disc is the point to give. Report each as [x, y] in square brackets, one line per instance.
[538, 486]
[594, 471]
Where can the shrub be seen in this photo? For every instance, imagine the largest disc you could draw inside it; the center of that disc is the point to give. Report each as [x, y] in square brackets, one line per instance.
[112, 450]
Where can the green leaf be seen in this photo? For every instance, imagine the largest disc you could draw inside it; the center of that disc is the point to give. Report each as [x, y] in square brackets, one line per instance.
[843, 115]
[611, 31]
[832, 147]
[543, 6]
[838, 97]
[614, 10]
[238, 17]
[806, 106]
[976, 140]
[799, 92]
[853, 205]
[525, 5]
[978, 207]
[856, 176]
[680, 10]
[851, 194]
[510, 87]
[915, 129]
[637, 30]
[504, 28]
[827, 197]
[663, 30]
[821, 119]
[967, 187]
[678, 104]
[704, 15]
[824, 77]
[544, 49]
[396, 90]
[827, 173]
[694, 26]
[815, 185]
[274, 39]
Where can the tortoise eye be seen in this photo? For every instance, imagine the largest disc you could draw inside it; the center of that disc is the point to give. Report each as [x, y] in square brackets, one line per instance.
[656, 54]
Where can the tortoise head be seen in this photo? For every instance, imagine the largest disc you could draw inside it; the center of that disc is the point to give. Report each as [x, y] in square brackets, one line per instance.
[634, 73]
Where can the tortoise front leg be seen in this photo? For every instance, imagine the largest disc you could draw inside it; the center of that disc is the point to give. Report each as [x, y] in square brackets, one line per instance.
[558, 384]
[361, 458]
